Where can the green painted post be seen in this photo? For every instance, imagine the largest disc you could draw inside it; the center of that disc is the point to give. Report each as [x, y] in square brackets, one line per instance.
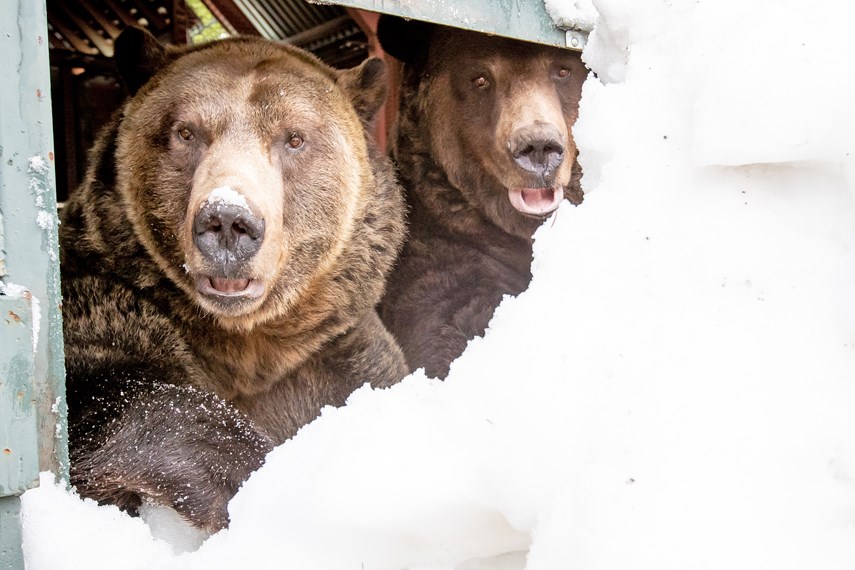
[32, 388]
[521, 19]
[19, 466]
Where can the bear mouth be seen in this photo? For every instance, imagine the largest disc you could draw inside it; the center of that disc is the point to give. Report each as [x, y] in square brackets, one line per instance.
[227, 288]
[536, 202]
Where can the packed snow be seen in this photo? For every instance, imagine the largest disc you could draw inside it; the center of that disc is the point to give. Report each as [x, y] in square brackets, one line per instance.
[226, 195]
[572, 14]
[40, 171]
[676, 388]
[20, 292]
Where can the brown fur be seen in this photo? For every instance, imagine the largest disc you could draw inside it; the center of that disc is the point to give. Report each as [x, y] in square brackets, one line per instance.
[176, 395]
[469, 246]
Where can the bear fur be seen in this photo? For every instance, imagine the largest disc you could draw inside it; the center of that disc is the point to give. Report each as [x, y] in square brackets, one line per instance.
[485, 152]
[220, 267]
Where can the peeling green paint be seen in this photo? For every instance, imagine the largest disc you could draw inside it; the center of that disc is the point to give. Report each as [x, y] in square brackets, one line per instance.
[521, 19]
[10, 533]
[19, 467]
[32, 372]
[2, 249]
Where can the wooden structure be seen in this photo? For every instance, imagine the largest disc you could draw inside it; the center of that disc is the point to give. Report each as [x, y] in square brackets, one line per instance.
[86, 90]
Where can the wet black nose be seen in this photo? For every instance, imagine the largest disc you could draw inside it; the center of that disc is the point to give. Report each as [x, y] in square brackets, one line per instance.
[538, 149]
[227, 232]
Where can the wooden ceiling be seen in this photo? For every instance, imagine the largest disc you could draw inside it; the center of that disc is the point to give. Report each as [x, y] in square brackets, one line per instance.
[87, 28]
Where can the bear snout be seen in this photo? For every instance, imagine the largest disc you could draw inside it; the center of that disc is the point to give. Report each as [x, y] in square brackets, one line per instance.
[227, 232]
[537, 149]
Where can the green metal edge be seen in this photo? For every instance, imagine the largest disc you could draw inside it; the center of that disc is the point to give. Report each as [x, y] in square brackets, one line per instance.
[31, 259]
[525, 20]
[19, 466]
[11, 534]
[28, 206]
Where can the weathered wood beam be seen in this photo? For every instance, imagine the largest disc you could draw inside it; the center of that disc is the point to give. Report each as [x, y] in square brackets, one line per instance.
[98, 15]
[157, 23]
[232, 18]
[124, 16]
[70, 35]
[318, 32]
[91, 33]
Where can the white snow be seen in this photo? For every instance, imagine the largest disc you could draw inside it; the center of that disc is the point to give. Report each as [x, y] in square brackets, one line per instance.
[572, 14]
[166, 524]
[13, 290]
[44, 220]
[39, 171]
[63, 532]
[20, 292]
[57, 412]
[38, 164]
[226, 195]
[37, 321]
[675, 389]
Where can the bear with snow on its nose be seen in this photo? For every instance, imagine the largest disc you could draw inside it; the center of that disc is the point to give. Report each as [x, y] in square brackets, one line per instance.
[220, 267]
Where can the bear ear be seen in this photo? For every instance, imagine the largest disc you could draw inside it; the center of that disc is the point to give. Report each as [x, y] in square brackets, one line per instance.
[138, 57]
[403, 39]
[366, 86]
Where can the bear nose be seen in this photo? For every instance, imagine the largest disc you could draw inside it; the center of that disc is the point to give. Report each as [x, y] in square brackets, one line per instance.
[537, 149]
[227, 232]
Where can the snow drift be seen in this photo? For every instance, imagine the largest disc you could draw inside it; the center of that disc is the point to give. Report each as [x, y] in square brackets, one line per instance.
[675, 389]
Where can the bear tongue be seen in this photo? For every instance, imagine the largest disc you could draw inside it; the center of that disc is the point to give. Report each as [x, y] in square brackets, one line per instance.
[224, 285]
[536, 201]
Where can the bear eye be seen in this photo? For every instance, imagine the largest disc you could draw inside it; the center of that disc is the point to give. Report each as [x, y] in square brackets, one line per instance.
[295, 141]
[185, 134]
[480, 82]
[563, 72]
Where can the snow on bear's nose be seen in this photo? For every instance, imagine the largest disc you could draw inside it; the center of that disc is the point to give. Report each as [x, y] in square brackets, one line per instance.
[225, 230]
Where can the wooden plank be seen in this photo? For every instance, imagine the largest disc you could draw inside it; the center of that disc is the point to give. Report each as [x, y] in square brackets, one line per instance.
[71, 36]
[123, 15]
[103, 21]
[260, 20]
[318, 32]
[91, 33]
[156, 22]
[57, 43]
[231, 17]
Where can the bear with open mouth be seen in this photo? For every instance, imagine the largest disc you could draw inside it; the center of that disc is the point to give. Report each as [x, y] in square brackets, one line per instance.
[485, 151]
[220, 268]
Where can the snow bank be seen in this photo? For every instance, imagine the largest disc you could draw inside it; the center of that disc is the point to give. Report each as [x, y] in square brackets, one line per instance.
[572, 15]
[675, 389]
[62, 532]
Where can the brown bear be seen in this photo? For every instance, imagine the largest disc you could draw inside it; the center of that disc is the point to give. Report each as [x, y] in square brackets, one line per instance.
[220, 267]
[485, 153]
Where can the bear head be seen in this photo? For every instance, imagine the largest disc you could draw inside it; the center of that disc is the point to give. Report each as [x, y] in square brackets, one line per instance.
[496, 115]
[245, 171]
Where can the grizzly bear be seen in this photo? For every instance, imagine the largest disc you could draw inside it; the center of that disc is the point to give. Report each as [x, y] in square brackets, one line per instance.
[221, 264]
[485, 153]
